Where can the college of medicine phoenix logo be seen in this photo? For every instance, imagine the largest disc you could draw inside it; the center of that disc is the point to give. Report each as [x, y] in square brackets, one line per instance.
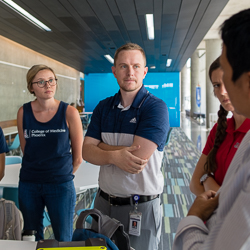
[25, 134]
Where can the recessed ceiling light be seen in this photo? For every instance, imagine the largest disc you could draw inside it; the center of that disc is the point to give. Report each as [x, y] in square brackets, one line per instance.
[169, 61]
[150, 26]
[109, 58]
[25, 14]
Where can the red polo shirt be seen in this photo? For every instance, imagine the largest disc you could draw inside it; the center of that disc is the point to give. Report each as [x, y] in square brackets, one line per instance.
[228, 147]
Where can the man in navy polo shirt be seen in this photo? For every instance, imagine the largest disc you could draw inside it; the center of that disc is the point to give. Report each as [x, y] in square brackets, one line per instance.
[126, 138]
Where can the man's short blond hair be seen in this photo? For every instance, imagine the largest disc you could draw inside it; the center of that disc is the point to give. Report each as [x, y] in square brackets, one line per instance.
[130, 46]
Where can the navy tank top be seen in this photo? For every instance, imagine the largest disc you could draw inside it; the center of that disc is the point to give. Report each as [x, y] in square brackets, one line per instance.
[47, 156]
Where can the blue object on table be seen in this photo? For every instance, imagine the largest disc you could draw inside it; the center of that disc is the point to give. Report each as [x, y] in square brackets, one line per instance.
[46, 223]
[13, 160]
[15, 144]
[46, 219]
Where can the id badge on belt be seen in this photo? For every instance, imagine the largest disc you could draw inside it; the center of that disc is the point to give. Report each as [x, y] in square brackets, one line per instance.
[135, 219]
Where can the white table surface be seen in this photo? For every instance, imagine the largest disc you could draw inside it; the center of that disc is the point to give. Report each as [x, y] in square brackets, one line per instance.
[85, 177]
[17, 245]
[10, 130]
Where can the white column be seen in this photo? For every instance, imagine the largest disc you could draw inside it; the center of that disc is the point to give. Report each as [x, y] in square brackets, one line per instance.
[185, 88]
[213, 50]
[194, 80]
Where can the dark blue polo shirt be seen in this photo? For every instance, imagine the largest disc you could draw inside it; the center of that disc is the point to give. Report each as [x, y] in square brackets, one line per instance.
[147, 117]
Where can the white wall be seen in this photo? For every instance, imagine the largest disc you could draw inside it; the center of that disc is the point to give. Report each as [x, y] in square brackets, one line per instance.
[15, 60]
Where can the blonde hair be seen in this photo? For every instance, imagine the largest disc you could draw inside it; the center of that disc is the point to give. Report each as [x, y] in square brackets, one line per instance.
[130, 46]
[32, 73]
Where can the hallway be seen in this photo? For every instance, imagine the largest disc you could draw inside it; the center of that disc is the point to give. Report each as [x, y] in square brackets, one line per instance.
[195, 132]
[180, 158]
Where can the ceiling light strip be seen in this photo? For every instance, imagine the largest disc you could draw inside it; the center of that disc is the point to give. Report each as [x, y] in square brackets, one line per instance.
[25, 14]
[150, 26]
[109, 58]
[169, 61]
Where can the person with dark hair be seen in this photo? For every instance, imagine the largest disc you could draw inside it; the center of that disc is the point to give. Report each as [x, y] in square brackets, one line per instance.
[228, 226]
[3, 149]
[223, 140]
[51, 137]
[126, 137]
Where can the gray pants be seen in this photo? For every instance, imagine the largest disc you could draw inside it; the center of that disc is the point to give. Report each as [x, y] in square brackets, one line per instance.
[150, 225]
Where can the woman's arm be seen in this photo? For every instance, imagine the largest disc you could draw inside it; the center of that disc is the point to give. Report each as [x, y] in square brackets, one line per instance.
[20, 128]
[209, 184]
[2, 165]
[76, 135]
[195, 185]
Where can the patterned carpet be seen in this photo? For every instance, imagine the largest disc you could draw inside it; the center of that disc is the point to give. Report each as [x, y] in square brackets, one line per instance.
[181, 156]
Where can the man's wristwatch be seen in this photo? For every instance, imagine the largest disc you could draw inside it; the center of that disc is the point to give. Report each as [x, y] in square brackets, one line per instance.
[204, 178]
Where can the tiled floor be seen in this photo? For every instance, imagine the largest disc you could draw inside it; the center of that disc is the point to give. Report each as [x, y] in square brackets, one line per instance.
[181, 156]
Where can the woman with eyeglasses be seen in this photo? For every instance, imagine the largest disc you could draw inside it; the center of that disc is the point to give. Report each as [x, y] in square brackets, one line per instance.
[223, 140]
[48, 129]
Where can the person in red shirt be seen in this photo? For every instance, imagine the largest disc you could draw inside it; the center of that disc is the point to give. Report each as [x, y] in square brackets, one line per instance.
[223, 140]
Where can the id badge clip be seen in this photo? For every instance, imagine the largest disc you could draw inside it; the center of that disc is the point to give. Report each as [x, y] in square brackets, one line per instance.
[135, 219]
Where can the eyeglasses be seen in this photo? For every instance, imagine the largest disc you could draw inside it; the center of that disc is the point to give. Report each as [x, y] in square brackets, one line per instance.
[42, 83]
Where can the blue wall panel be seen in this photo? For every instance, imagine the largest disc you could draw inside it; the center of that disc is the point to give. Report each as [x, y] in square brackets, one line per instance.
[163, 85]
[166, 87]
[98, 87]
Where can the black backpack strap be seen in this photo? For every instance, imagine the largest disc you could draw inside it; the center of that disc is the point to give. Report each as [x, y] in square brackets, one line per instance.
[121, 238]
[107, 226]
[96, 214]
